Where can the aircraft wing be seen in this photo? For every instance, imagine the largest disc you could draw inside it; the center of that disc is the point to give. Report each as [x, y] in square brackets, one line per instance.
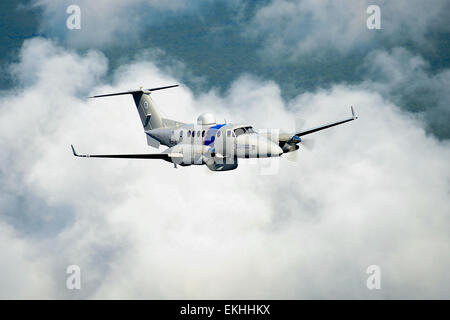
[163, 156]
[290, 138]
[312, 130]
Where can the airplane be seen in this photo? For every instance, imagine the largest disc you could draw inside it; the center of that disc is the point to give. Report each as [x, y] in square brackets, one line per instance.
[206, 142]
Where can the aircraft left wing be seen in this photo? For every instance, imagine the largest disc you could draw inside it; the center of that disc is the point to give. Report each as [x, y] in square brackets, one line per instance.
[162, 156]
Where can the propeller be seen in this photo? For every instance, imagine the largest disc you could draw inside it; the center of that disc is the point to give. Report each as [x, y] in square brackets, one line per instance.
[307, 143]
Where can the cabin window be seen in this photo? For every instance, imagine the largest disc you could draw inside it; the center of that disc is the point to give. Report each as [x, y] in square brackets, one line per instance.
[203, 133]
[181, 134]
[193, 133]
[218, 134]
[189, 133]
[249, 130]
[198, 133]
[228, 133]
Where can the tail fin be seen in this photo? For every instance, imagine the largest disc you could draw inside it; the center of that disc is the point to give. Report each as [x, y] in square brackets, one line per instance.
[150, 117]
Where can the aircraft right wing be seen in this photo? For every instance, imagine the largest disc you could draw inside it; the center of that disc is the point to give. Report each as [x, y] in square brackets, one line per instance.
[305, 132]
[295, 138]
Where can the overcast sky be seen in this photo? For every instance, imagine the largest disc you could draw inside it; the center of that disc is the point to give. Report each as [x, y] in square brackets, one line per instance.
[372, 192]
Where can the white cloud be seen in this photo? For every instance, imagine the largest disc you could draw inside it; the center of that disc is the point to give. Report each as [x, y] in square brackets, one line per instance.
[22, 274]
[289, 29]
[105, 21]
[407, 80]
[374, 191]
[112, 22]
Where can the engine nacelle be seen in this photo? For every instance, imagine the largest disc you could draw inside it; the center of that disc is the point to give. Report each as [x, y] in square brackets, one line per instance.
[192, 154]
[288, 147]
[198, 155]
[222, 164]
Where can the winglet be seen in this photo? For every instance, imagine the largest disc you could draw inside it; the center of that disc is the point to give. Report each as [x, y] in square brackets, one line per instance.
[74, 152]
[353, 113]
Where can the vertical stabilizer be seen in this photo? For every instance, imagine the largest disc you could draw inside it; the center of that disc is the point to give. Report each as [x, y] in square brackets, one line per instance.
[150, 117]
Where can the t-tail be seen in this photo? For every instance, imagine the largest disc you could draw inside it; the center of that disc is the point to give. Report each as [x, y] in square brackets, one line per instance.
[150, 117]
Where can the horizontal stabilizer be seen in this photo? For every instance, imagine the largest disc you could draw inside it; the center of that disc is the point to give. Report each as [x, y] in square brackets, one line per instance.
[135, 91]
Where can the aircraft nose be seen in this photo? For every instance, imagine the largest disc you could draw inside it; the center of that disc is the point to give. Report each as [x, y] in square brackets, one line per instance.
[275, 150]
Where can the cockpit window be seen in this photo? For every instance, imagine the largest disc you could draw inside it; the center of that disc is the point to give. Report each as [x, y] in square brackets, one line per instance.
[239, 131]
[243, 130]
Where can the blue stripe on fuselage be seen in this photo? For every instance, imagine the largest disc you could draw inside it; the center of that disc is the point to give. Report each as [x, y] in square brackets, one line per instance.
[211, 134]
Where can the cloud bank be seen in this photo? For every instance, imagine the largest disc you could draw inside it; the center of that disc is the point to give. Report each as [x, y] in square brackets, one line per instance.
[407, 80]
[104, 22]
[372, 192]
[291, 29]
[302, 45]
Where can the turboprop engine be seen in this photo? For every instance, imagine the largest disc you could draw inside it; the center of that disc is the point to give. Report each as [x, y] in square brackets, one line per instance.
[289, 143]
[213, 166]
[191, 154]
[219, 163]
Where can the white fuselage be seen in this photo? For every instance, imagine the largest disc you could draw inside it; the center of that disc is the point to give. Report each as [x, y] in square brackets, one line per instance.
[223, 140]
